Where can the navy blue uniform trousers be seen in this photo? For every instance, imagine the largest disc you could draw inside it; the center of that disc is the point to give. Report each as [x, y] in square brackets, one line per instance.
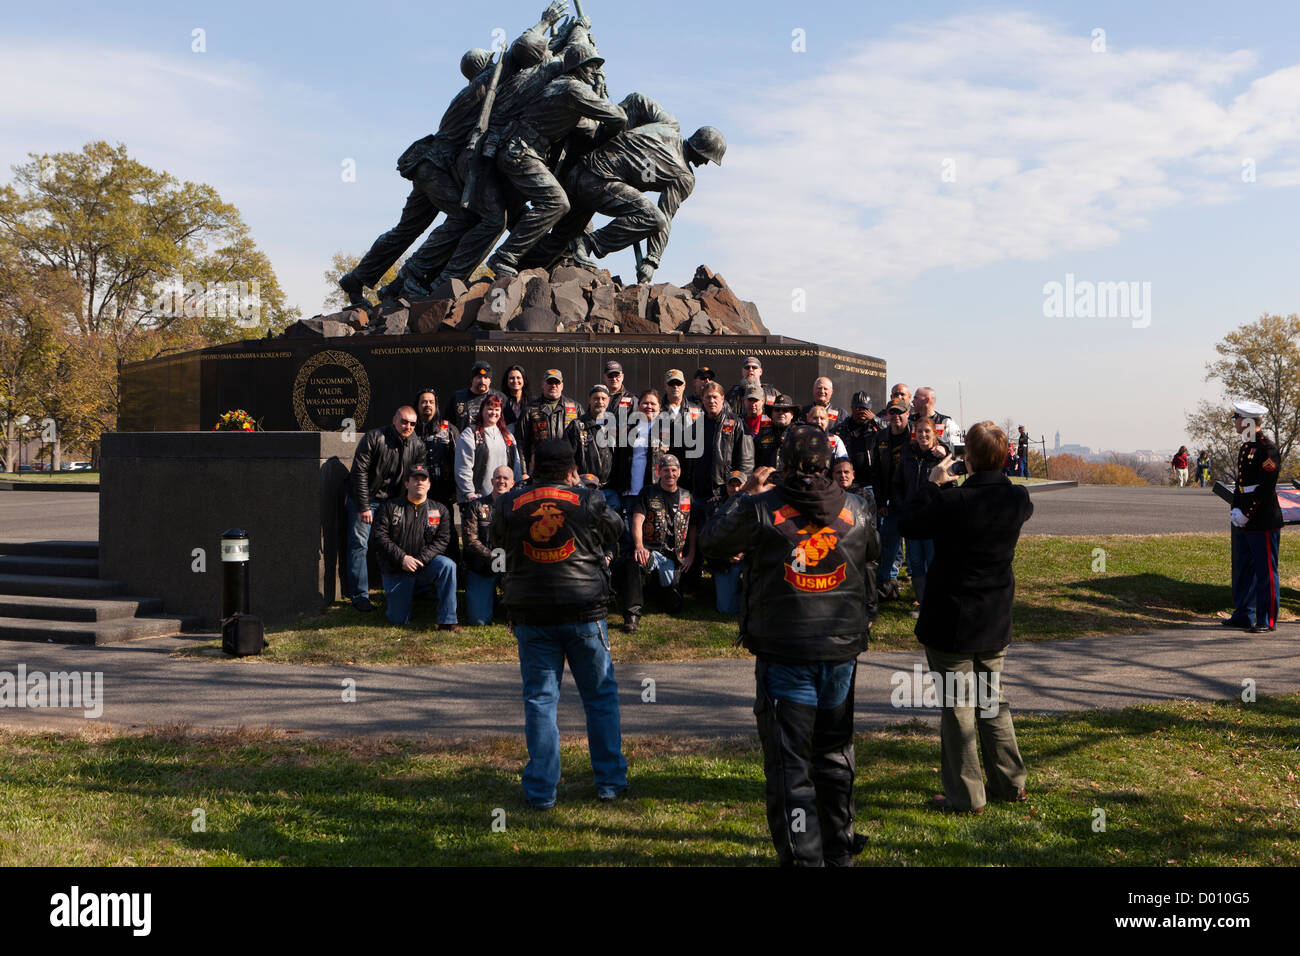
[1255, 587]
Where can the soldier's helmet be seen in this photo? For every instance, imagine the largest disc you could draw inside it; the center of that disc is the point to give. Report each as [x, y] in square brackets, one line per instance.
[709, 143]
[580, 54]
[474, 62]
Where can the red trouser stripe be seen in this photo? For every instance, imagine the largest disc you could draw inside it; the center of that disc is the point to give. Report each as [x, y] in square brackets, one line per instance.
[1268, 556]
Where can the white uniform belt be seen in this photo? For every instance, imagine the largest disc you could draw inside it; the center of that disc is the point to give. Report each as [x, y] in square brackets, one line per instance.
[1248, 489]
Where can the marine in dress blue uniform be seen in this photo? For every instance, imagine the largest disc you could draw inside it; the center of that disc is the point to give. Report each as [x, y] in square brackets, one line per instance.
[1256, 521]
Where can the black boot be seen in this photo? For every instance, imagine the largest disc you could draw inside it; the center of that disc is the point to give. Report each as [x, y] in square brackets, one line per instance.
[351, 287]
[832, 775]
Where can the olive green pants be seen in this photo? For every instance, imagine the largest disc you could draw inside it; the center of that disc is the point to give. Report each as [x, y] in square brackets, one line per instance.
[969, 684]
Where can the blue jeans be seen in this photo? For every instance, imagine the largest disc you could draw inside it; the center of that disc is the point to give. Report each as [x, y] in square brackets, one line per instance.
[920, 555]
[542, 652]
[613, 500]
[889, 540]
[480, 595]
[358, 542]
[727, 584]
[823, 686]
[400, 590]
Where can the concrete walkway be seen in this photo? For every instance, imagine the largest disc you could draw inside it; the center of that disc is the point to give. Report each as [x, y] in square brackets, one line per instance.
[143, 686]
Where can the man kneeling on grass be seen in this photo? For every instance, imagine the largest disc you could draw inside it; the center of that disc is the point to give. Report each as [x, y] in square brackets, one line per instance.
[411, 536]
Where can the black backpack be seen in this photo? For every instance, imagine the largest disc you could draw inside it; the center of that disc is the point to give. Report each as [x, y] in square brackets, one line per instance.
[243, 635]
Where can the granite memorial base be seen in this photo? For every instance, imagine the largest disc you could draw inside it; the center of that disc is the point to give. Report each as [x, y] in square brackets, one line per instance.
[166, 498]
[320, 384]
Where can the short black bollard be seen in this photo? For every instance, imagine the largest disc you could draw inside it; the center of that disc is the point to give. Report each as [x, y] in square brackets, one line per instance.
[234, 573]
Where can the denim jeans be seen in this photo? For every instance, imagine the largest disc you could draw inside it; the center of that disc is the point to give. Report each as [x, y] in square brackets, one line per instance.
[358, 542]
[480, 594]
[727, 586]
[920, 555]
[400, 590]
[823, 686]
[889, 541]
[542, 652]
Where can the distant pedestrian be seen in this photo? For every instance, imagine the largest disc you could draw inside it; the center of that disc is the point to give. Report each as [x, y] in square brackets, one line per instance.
[1203, 468]
[1022, 451]
[1180, 466]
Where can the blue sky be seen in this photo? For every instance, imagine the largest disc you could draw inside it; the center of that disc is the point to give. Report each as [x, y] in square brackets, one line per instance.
[918, 173]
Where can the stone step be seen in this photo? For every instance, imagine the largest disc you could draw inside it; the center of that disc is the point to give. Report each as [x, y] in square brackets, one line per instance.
[43, 585]
[31, 564]
[92, 632]
[52, 549]
[74, 609]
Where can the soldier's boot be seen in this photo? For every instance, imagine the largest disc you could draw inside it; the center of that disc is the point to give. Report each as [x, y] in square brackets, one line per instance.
[584, 252]
[352, 288]
[413, 288]
[786, 732]
[502, 267]
[393, 290]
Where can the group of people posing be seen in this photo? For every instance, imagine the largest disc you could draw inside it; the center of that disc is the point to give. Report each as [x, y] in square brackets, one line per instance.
[664, 459]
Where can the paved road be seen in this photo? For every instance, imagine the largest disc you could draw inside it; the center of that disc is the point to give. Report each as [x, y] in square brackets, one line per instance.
[1101, 509]
[49, 516]
[143, 686]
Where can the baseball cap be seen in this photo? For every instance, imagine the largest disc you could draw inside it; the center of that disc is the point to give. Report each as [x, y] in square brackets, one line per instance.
[737, 476]
[482, 368]
[897, 405]
[674, 375]
[751, 360]
[705, 371]
[590, 480]
[754, 391]
[598, 388]
[612, 366]
[669, 460]
[553, 373]
[861, 400]
[417, 470]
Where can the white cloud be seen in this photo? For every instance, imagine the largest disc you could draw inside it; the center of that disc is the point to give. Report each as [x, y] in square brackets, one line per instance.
[835, 184]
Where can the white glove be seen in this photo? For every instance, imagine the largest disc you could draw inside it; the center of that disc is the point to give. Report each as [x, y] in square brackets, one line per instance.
[1237, 518]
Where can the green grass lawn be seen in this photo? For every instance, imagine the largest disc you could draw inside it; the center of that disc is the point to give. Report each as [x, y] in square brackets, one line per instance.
[91, 477]
[1191, 784]
[1148, 582]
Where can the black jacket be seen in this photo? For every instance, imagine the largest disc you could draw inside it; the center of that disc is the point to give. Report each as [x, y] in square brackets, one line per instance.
[556, 538]
[882, 465]
[733, 450]
[541, 420]
[464, 406]
[913, 474]
[970, 589]
[859, 438]
[807, 550]
[593, 446]
[476, 535]
[380, 464]
[1258, 464]
[440, 437]
[401, 528]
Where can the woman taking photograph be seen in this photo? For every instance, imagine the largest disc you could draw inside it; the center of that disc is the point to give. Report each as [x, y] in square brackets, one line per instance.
[965, 621]
[482, 448]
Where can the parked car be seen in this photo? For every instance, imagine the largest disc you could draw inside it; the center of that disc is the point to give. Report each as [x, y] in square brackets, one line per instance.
[75, 466]
[25, 468]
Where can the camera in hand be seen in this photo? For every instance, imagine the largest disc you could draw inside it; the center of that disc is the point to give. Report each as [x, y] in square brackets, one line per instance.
[958, 468]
